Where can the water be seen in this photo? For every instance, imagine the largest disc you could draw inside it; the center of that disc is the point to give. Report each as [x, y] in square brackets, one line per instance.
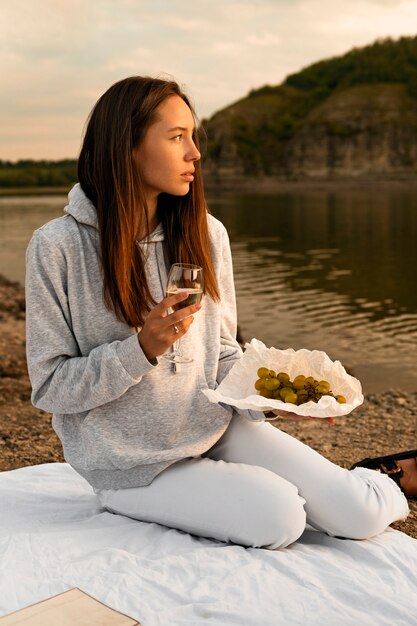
[333, 272]
[19, 217]
[326, 271]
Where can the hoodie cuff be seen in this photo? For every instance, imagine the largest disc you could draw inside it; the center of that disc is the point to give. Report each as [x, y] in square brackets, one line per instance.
[132, 357]
[251, 415]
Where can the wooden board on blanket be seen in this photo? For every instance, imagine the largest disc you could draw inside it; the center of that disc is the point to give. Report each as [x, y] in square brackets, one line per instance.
[66, 609]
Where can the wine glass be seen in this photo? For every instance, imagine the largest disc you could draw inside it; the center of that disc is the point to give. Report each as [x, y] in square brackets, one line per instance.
[183, 277]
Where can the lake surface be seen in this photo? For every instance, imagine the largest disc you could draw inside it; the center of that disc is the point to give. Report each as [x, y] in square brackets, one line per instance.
[332, 271]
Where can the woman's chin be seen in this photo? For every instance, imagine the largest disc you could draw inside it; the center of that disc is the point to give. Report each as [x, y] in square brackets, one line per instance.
[181, 192]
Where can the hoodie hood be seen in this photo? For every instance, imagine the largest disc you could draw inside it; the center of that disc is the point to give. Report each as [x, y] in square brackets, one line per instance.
[80, 207]
[84, 212]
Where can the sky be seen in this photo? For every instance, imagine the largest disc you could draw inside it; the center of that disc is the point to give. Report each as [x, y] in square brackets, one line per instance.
[58, 56]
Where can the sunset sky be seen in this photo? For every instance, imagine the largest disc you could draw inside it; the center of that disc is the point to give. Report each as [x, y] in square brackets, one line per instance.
[58, 56]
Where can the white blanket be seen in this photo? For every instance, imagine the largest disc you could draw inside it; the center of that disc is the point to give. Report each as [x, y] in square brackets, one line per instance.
[54, 536]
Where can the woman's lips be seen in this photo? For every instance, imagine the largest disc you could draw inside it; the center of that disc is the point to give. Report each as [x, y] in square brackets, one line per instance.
[188, 176]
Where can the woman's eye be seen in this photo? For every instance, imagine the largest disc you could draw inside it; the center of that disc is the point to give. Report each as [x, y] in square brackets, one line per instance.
[177, 138]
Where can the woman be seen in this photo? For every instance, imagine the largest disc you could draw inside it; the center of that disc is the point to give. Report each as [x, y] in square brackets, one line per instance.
[137, 427]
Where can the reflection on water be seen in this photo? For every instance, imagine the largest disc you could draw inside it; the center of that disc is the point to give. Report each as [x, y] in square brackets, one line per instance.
[326, 271]
[333, 272]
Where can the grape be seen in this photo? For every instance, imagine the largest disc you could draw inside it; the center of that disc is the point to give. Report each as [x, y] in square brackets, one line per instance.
[323, 385]
[263, 372]
[291, 397]
[272, 383]
[298, 382]
[283, 392]
[298, 391]
[283, 377]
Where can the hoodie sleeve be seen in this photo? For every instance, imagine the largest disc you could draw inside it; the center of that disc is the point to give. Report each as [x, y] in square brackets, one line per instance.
[63, 380]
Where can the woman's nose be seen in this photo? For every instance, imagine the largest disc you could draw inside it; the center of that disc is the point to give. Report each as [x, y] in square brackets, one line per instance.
[194, 154]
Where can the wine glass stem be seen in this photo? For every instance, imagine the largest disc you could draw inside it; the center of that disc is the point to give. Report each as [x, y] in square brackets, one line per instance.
[177, 347]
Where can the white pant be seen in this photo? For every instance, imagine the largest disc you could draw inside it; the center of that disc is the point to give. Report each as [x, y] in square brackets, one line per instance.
[257, 487]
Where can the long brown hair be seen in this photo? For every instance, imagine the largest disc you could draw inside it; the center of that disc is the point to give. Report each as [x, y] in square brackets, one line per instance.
[111, 180]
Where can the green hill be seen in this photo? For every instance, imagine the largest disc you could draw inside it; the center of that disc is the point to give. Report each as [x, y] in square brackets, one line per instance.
[353, 116]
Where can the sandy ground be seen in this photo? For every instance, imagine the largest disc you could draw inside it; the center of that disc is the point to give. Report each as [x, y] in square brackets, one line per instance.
[382, 425]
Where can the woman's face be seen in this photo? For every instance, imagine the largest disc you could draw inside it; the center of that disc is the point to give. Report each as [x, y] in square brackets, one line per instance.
[167, 153]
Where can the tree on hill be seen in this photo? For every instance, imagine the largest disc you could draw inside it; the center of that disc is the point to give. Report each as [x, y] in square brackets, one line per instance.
[385, 61]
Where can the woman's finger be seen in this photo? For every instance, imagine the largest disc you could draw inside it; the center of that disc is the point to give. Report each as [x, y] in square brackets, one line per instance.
[162, 309]
[181, 327]
[170, 301]
[295, 416]
[161, 329]
[180, 316]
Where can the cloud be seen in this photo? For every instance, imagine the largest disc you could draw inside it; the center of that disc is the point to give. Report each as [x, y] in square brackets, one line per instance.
[226, 48]
[187, 24]
[265, 39]
[58, 56]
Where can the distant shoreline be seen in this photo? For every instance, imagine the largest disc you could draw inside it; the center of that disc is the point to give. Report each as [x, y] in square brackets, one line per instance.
[33, 191]
[255, 186]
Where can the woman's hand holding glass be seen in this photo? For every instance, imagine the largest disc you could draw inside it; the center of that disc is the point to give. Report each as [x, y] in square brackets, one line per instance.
[161, 329]
[183, 278]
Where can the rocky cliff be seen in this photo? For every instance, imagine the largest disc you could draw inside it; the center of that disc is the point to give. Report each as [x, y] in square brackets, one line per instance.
[356, 125]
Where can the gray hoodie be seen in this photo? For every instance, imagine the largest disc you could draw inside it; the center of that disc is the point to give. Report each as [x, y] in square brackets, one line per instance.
[121, 419]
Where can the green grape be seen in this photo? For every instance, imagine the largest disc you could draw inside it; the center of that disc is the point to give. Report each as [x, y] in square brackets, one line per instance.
[323, 387]
[272, 383]
[283, 377]
[302, 389]
[291, 398]
[263, 372]
[284, 392]
[298, 382]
